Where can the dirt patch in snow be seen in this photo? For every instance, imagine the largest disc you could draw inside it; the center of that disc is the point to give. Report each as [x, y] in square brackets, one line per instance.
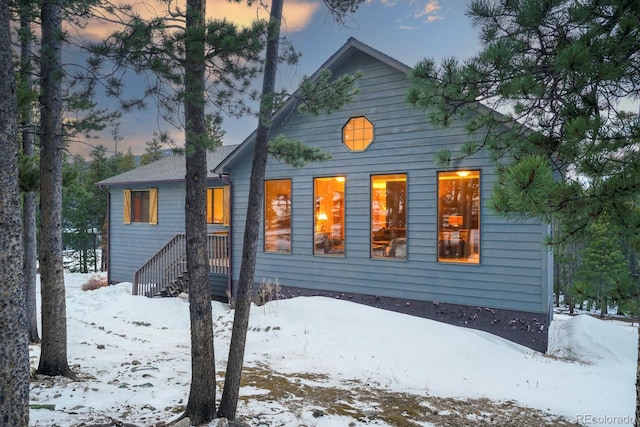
[365, 404]
[271, 399]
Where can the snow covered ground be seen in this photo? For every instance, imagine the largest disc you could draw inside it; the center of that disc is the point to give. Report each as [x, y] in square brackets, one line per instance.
[131, 354]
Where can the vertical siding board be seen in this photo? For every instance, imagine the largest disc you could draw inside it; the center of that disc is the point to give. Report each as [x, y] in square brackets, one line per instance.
[513, 259]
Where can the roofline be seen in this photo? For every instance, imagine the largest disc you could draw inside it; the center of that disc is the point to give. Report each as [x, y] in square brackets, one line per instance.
[212, 158]
[333, 62]
[124, 183]
[162, 181]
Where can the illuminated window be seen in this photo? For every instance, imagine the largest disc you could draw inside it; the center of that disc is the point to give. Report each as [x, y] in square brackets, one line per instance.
[389, 216]
[140, 206]
[459, 216]
[328, 233]
[357, 134]
[277, 216]
[218, 205]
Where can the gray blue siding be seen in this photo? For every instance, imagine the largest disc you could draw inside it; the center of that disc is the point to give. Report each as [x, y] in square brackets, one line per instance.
[132, 245]
[514, 270]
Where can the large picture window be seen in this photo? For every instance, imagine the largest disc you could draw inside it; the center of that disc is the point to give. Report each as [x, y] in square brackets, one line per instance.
[277, 216]
[218, 205]
[459, 216]
[140, 206]
[389, 216]
[328, 235]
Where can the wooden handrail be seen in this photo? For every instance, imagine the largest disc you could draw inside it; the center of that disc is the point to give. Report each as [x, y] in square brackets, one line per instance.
[170, 262]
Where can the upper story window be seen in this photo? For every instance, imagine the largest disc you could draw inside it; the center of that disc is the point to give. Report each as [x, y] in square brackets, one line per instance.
[328, 233]
[277, 215]
[140, 206]
[389, 216]
[357, 134]
[459, 216]
[218, 205]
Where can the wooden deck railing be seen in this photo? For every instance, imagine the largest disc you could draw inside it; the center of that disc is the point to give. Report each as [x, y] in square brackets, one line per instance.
[170, 262]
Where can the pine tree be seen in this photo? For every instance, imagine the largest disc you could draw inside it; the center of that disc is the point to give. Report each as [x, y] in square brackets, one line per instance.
[188, 58]
[53, 356]
[14, 347]
[28, 166]
[603, 273]
[326, 94]
[562, 69]
[153, 149]
[561, 72]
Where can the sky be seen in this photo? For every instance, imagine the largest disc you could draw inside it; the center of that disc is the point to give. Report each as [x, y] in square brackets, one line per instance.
[324, 362]
[407, 30]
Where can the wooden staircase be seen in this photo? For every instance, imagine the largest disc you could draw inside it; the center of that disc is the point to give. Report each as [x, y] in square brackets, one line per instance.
[165, 274]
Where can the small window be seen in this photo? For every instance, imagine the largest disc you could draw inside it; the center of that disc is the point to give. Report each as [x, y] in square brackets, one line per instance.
[389, 216]
[277, 215]
[459, 216]
[357, 134]
[141, 206]
[218, 205]
[328, 235]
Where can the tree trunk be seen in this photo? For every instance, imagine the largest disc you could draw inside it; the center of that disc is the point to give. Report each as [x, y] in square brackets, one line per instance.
[637, 420]
[104, 242]
[14, 344]
[29, 235]
[603, 302]
[201, 407]
[231, 391]
[95, 251]
[53, 356]
[571, 301]
[30, 259]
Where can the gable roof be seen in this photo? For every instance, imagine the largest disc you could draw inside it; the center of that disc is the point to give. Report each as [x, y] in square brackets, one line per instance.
[351, 47]
[168, 169]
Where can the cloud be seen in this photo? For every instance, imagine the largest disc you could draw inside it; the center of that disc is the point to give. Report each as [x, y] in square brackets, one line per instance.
[387, 3]
[430, 11]
[431, 7]
[296, 15]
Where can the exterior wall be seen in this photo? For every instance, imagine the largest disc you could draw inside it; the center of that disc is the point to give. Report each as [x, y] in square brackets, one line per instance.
[132, 245]
[514, 270]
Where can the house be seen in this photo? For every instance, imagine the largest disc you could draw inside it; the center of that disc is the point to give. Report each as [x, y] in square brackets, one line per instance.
[380, 223]
[146, 241]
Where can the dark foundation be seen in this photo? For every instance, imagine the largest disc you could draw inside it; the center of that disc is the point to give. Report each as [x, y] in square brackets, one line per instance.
[525, 328]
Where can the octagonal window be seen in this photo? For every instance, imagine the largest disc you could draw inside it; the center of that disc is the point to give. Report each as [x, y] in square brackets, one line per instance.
[357, 134]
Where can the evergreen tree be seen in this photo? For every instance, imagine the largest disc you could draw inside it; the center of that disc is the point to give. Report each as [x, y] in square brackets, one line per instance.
[561, 71]
[153, 149]
[201, 406]
[325, 94]
[14, 341]
[81, 217]
[565, 262]
[85, 204]
[603, 274]
[53, 355]
[184, 56]
[122, 162]
[188, 58]
[28, 166]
